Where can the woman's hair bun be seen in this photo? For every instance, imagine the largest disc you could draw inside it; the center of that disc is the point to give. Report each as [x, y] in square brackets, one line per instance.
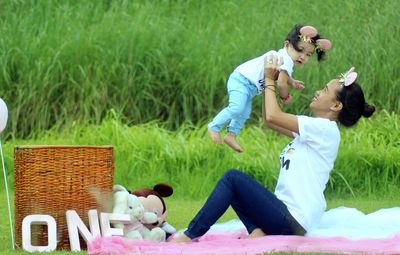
[368, 110]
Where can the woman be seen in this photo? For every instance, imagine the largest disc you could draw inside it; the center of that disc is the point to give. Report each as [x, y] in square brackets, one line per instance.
[298, 201]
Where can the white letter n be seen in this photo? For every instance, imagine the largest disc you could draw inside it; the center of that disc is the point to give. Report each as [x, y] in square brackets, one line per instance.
[76, 224]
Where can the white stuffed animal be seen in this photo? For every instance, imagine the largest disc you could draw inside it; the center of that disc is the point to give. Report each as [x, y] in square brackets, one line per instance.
[127, 203]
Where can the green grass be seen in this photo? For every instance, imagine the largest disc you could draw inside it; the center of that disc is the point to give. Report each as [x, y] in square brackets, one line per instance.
[66, 61]
[147, 154]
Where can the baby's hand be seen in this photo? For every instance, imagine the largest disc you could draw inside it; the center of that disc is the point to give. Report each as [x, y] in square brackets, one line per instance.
[299, 85]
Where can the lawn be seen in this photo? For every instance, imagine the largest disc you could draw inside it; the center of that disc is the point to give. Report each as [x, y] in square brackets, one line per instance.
[66, 62]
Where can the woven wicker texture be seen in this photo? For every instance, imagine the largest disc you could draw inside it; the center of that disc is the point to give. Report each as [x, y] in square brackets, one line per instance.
[53, 179]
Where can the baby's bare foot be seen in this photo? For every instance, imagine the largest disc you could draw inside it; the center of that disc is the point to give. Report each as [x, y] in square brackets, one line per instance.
[256, 233]
[181, 238]
[215, 137]
[230, 139]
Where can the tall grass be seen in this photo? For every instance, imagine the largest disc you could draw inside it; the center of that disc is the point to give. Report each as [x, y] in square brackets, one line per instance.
[66, 61]
[367, 164]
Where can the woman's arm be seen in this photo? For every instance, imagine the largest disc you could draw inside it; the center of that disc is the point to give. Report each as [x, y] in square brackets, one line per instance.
[273, 113]
[278, 129]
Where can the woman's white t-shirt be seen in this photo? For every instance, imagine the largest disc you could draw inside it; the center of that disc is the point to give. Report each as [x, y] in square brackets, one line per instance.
[253, 69]
[305, 166]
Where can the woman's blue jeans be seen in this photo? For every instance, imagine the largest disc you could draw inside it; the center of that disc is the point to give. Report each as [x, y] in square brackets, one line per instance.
[256, 207]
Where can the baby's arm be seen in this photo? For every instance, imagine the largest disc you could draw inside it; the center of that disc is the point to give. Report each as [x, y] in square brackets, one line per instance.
[284, 80]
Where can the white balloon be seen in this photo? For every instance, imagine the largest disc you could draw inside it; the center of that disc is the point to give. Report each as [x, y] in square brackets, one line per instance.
[3, 115]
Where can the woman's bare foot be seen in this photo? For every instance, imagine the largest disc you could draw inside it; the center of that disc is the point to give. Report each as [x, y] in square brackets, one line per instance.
[230, 139]
[215, 137]
[256, 233]
[181, 238]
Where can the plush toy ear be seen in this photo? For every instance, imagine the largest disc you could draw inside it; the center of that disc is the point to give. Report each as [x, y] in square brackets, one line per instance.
[117, 187]
[163, 189]
[120, 199]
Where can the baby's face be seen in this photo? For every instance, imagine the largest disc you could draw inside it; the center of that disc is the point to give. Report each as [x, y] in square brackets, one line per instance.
[300, 57]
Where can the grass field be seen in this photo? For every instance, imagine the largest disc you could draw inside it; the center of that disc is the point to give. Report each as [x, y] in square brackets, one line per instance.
[72, 61]
[147, 154]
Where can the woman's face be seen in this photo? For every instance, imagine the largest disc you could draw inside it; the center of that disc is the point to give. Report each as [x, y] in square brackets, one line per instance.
[325, 98]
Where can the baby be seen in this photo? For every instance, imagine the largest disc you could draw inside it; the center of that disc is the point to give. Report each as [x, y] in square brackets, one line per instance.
[247, 81]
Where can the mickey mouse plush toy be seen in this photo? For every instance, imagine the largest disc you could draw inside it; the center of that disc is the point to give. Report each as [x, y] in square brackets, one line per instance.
[152, 200]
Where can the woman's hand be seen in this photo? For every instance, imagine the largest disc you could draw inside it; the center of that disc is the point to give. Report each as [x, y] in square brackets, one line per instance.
[271, 67]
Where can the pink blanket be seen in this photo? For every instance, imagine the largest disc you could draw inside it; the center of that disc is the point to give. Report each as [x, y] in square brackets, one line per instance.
[221, 242]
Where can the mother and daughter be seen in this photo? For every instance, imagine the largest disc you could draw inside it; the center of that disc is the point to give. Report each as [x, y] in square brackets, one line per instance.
[306, 162]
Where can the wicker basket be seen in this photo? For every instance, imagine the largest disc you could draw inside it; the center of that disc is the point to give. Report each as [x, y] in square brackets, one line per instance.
[53, 179]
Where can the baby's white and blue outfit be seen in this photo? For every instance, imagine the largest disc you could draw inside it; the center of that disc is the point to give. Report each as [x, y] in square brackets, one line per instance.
[246, 81]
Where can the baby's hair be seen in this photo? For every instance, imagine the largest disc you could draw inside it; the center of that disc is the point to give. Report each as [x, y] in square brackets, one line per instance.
[354, 105]
[294, 37]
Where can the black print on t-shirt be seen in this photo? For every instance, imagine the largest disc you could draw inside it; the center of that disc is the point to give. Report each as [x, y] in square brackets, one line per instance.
[261, 83]
[285, 163]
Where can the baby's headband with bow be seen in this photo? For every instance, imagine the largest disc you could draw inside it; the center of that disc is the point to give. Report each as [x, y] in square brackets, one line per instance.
[308, 32]
[348, 77]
